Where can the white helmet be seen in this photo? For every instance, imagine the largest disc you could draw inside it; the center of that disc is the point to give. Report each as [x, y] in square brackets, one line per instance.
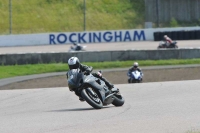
[73, 63]
[165, 36]
[135, 64]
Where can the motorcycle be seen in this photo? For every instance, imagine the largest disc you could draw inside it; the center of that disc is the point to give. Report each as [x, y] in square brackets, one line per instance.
[93, 90]
[77, 48]
[163, 44]
[135, 76]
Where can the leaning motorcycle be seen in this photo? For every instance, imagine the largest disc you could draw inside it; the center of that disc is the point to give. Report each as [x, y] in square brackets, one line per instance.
[163, 44]
[75, 49]
[93, 90]
[135, 76]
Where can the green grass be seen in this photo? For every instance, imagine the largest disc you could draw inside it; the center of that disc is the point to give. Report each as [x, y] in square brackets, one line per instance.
[36, 16]
[41, 16]
[19, 70]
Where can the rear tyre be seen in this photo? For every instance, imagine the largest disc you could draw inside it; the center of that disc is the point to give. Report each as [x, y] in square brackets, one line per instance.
[119, 100]
[92, 99]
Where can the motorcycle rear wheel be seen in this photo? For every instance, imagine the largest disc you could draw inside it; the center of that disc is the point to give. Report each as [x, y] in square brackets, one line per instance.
[92, 100]
[119, 100]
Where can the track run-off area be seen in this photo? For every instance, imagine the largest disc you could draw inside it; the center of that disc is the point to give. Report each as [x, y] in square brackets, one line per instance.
[156, 107]
[138, 45]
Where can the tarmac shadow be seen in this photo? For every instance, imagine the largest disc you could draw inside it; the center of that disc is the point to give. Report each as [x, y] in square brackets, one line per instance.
[78, 109]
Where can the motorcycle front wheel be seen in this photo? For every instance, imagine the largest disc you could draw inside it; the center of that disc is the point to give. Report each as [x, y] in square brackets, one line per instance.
[92, 98]
[158, 47]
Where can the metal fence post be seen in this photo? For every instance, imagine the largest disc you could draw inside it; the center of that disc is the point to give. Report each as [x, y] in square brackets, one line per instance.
[84, 16]
[157, 13]
[10, 16]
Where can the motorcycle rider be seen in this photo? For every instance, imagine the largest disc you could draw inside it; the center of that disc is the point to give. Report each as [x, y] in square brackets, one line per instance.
[74, 63]
[167, 40]
[133, 68]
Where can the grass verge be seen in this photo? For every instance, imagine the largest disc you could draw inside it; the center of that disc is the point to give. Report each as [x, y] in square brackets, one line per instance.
[41, 16]
[20, 70]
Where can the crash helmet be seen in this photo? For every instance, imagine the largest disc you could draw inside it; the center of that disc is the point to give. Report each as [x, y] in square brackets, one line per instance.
[165, 36]
[73, 63]
[135, 65]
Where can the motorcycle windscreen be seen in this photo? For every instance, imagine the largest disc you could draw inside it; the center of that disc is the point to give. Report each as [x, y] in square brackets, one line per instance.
[135, 74]
[74, 77]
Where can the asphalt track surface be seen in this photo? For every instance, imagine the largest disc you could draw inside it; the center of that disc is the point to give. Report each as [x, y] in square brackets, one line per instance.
[165, 107]
[138, 45]
[160, 107]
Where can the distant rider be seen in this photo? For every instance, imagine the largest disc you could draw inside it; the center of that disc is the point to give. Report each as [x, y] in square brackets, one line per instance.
[77, 46]
[134, 67]
[74, 63]
[167, 40]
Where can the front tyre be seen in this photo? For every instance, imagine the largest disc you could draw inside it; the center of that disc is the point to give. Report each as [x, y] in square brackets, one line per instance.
[129, 80]
[158, 47]
[92, 98]
[119, 100]
[133, 81]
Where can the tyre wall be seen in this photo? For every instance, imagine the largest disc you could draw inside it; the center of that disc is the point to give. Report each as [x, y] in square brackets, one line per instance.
[99, 56]
[178, 35]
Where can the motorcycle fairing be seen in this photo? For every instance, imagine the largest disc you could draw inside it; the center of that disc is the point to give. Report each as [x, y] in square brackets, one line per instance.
[98, 85]
[135, 74]
[75, 76]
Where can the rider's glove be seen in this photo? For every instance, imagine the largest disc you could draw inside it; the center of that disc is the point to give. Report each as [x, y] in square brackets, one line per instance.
[87, 72]
[99, 73]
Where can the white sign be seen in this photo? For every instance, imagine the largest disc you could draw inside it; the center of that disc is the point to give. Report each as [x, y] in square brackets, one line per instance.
[85, 37]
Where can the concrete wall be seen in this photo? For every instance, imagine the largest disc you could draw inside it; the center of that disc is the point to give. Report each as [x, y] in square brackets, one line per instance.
[99, 56]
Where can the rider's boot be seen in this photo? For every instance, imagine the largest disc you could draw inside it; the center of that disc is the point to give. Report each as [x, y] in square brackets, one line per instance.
[81, 99]
[79, 95]
[108, 84]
